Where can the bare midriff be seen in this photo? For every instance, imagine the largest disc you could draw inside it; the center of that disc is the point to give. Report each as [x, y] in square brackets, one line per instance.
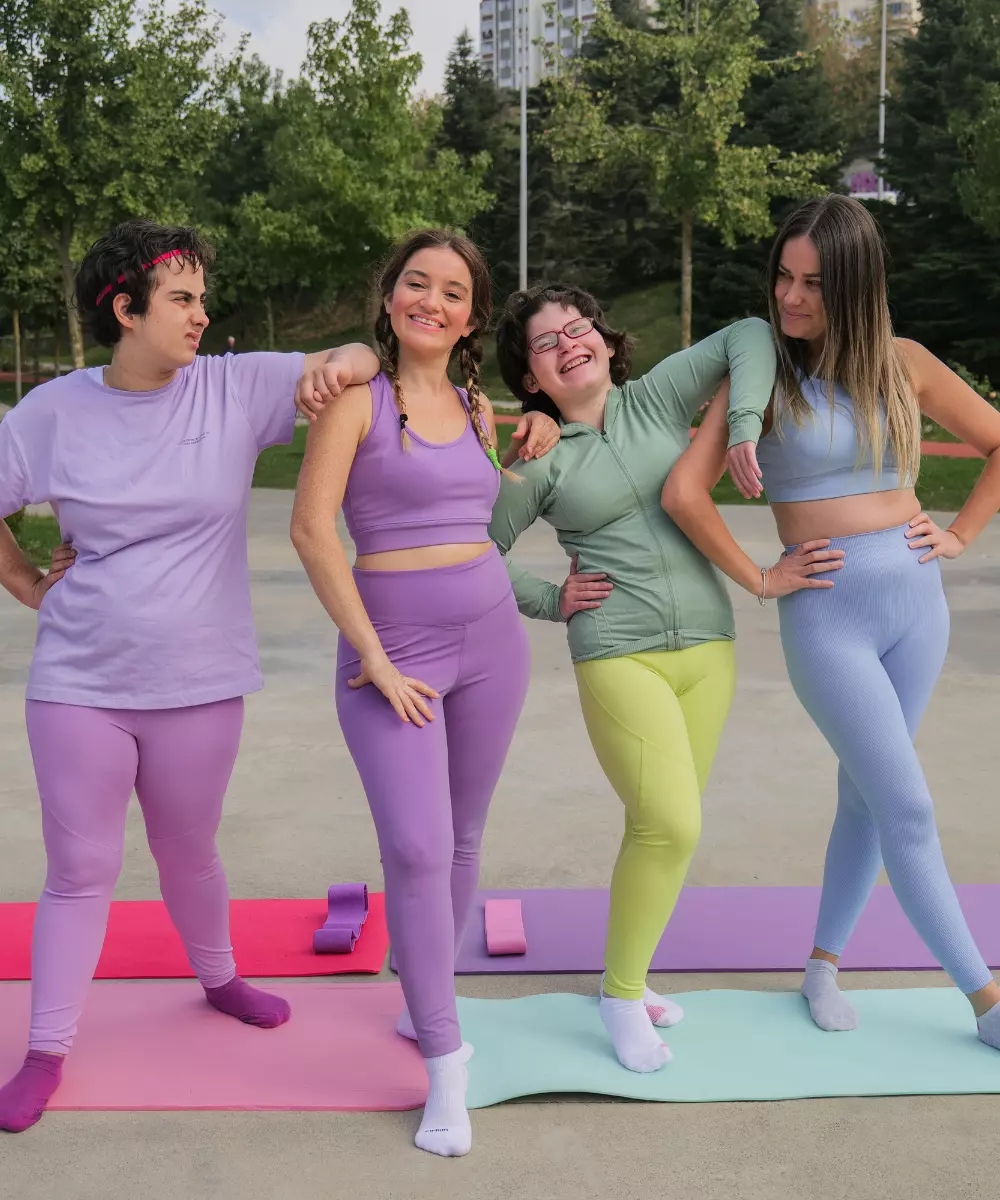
[423, 558]
[810, 520]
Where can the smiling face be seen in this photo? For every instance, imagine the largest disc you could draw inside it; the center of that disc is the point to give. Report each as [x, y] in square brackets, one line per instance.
[580, 361]
[169, 332]
[798, 291]
[430, 307]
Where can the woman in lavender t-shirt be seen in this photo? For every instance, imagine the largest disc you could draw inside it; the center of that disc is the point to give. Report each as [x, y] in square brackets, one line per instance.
[145, 644]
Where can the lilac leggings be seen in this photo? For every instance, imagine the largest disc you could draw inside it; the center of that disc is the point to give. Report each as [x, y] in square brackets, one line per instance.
[458, 630]
[87, 761]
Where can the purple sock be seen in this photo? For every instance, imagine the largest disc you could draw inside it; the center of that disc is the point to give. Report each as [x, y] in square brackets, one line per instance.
[249, 1004]
[23, 1100]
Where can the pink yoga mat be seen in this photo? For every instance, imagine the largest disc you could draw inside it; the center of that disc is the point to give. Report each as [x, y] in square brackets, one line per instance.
[160, 1046]
[271, 938]
[720, 929]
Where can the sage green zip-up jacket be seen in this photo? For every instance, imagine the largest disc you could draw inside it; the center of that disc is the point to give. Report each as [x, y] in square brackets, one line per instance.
[600, 491]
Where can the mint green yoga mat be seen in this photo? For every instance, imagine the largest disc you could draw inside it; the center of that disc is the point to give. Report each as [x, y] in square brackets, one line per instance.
[733, 1046]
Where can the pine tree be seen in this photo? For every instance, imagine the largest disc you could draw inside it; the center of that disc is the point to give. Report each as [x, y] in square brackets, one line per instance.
[945, 287]
[473, 106]
[795, 111]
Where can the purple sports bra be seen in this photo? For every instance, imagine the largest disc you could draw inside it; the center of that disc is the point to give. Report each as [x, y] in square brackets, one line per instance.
[428, 495]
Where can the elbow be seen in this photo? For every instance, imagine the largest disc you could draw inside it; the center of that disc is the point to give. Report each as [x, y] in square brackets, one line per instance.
[675, 499]
[309, 535]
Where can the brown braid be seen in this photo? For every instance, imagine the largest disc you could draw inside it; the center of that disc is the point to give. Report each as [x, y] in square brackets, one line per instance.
[388, 345]
[470, 356]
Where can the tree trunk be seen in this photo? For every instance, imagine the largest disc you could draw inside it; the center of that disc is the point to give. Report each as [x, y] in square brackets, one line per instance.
[72, 316]
[687, 239]
[18, 382]
[269, 309]
[57, 349]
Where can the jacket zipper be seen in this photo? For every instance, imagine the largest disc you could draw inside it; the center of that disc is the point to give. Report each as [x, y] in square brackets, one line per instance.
[645, 516]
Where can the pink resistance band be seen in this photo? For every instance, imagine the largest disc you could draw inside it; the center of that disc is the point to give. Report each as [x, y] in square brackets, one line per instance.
[146, 267]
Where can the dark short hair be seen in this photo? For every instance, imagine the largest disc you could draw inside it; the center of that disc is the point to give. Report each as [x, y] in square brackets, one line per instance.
[512, 339]
[117, 261]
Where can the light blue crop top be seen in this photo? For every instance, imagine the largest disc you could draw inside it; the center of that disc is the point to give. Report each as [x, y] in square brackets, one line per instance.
[818, 460]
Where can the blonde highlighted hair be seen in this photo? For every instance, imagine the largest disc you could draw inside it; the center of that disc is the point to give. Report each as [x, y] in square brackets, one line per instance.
[859, 351]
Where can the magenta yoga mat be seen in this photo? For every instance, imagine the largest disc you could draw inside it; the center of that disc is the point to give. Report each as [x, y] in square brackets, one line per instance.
[720, 929]
[160, 1046]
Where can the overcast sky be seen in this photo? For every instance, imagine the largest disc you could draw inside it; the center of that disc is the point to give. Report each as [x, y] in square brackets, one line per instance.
[278, 28]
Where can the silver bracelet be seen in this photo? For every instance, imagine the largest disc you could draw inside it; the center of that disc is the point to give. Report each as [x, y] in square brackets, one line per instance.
[763, 587]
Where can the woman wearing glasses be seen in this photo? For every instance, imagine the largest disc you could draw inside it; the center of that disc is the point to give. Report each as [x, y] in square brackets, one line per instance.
[650, 625]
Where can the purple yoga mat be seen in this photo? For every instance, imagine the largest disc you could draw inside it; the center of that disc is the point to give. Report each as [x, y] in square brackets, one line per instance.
[720, 929]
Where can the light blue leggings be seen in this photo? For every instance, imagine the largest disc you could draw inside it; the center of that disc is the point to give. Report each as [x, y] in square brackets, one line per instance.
[863, 658]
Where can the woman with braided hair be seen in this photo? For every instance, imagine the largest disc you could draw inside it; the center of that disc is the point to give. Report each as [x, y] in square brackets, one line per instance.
[432, 664]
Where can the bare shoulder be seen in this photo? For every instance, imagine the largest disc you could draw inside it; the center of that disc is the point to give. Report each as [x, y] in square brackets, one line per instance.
[918, 358]
[348, 417]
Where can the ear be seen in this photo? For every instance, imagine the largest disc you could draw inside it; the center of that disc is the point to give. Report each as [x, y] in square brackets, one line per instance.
[611, 349]
[122, 306]
[530, 383]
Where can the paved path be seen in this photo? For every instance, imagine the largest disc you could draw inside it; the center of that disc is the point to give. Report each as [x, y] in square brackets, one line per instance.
[296, 820]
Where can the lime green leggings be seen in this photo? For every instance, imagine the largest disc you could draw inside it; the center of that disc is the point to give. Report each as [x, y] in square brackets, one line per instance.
[654, 721]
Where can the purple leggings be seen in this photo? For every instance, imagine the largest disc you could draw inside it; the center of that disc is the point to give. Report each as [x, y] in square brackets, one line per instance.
[87, 761]
[458, 630]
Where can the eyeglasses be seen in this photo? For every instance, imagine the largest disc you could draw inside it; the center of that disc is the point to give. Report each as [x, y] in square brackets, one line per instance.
[578, 327]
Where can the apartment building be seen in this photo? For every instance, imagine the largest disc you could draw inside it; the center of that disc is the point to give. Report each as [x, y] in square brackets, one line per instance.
[532, 33]
[899, 11]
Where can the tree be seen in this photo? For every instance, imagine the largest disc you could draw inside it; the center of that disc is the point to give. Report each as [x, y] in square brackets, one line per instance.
[356, 161]
[102, 121]
[849, 54]
[798, 112]
[945, 286]
[978, 131]
[683, 149]
[979, 184]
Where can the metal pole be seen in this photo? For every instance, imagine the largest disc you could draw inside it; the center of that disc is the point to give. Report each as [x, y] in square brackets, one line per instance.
[881, 106]
[523, 55]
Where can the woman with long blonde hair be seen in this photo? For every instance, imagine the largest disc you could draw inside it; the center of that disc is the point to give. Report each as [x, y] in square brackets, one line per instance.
[839, 460]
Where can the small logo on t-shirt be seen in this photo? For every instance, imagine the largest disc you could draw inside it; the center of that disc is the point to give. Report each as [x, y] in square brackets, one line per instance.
[195, 440]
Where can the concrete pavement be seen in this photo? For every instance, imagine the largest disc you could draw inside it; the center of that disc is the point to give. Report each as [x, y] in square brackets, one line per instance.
[296, 820]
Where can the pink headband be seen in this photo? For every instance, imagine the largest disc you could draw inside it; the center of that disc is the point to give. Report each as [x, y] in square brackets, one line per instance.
[146, 267]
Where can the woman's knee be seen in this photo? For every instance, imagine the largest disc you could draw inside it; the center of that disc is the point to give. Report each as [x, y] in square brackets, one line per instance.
[77, 867]
[412, 854]
[670, 826]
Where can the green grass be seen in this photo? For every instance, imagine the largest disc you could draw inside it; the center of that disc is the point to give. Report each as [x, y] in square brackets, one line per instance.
[37, 537]
[944, 485]
[279, 466]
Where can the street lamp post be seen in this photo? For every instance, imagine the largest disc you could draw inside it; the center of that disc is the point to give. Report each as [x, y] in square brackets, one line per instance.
[523, 56]
[881, 107]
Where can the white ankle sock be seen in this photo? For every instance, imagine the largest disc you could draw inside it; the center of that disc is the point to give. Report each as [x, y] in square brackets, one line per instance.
[829, 1007]
[445, 1128]
[404, 1026]
[989, 1027]
[636, 1042]
[661, 1010]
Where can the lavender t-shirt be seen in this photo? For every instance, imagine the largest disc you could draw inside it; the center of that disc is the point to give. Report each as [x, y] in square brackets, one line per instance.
[152, 489]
